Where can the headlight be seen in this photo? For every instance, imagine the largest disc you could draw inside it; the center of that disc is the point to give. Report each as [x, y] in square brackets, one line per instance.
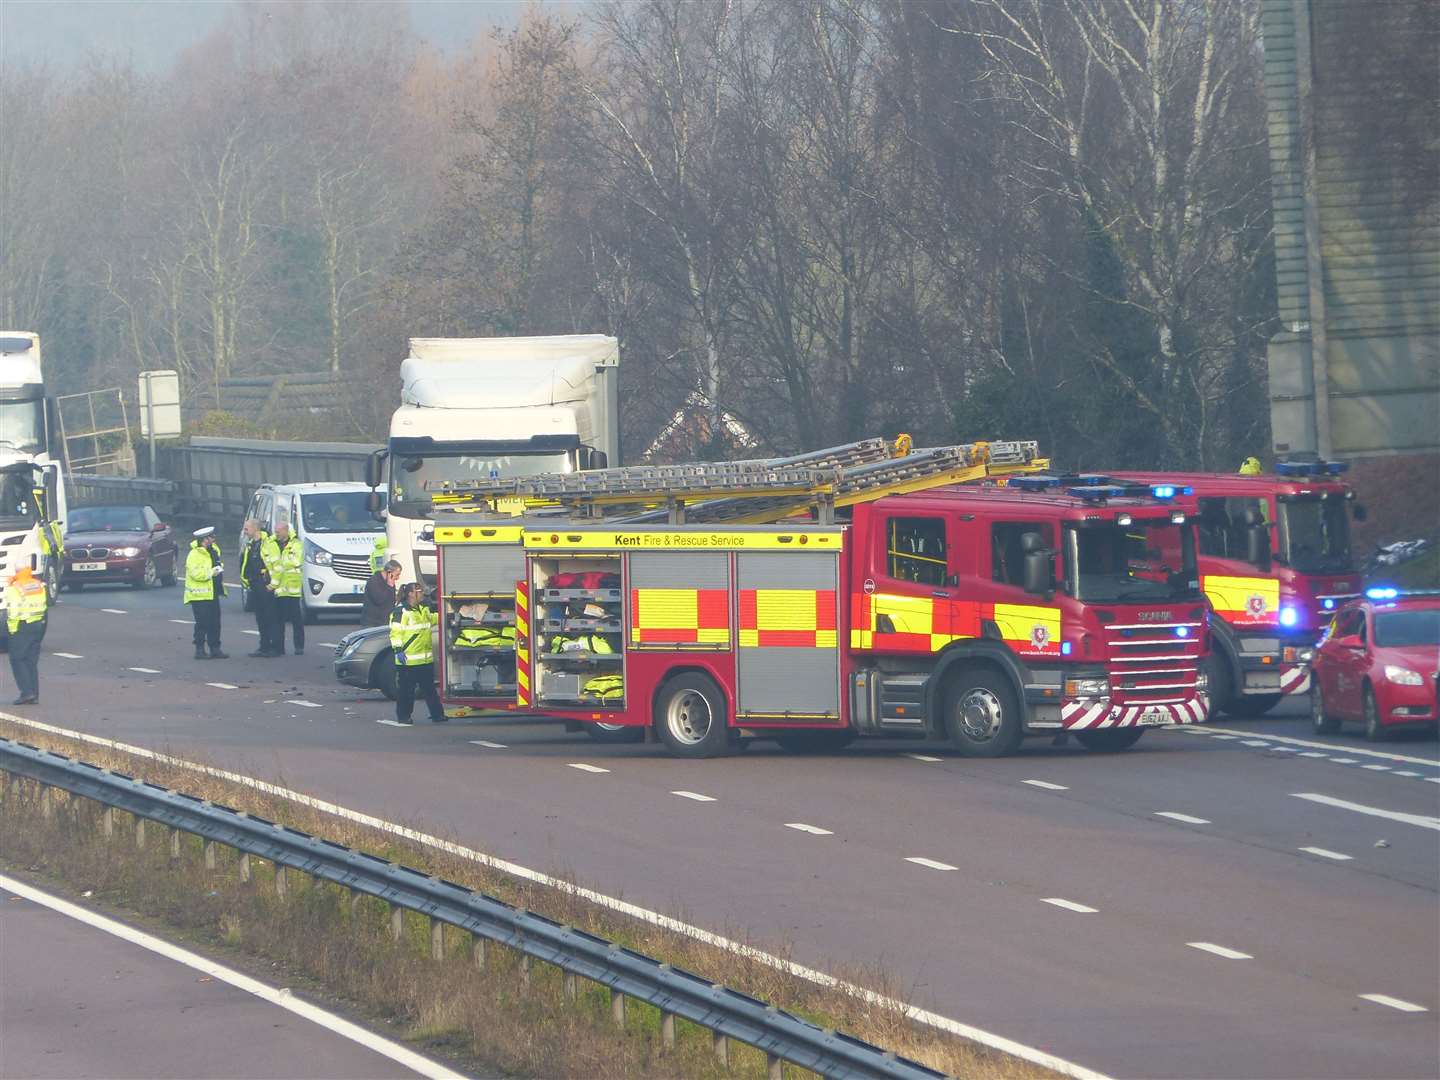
[1087, 687]
[349, 648]
[1403, 676]
[316, 555]
[127, 552]
[1295, 654]
[1202, 681]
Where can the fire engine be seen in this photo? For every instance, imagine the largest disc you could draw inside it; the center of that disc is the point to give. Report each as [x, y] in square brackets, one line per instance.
[1275, 562]
[1051, 605]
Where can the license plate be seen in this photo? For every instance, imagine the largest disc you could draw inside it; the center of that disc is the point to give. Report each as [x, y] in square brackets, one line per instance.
[87, 566]
[357, 589]
[1153, 718]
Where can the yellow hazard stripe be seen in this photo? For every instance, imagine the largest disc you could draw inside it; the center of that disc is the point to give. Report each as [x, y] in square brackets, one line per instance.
[685, 540]
[1233, 593]
[478, 534]
[1017, 622]
[907, 614]
[785, 609]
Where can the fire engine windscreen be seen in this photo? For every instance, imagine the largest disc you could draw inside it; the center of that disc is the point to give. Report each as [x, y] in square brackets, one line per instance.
[1143, 562]
[17, 497]
[1314, 534]
[414, 478]
[22, 421]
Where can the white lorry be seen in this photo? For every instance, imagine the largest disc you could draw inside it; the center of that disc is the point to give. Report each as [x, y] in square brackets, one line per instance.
[477, 408]
[32, 491]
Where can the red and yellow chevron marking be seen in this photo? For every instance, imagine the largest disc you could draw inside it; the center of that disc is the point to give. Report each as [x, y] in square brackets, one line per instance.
[680, 616]
[892, 623]
[787, 618]
[522, 643]
[1251, 602]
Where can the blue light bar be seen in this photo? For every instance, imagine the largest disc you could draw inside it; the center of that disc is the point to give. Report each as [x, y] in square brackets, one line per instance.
[1311, 468]
[1035, 482]
[1328, 605]
[1169, 491]
[1182, 631]
[1384, 593]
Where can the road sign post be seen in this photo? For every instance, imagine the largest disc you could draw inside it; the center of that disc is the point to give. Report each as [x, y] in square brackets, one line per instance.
[159, 408]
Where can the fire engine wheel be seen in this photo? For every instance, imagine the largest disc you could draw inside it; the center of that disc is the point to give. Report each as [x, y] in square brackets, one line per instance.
[1374, 730]
[1254, 704]
[1323, 724]
[982, 717]
[1217, 667]
[815, 742]
[615, 733]
[1107, 742]
[690, 717]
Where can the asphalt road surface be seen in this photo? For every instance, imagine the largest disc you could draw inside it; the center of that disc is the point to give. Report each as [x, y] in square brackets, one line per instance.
[78, 1002]
[1206, 904]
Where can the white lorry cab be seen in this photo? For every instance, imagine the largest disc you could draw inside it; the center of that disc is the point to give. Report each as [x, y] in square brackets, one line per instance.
[32, 490]
[337, 532]
[482, 408]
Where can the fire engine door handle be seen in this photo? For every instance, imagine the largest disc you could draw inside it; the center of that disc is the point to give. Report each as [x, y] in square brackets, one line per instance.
[940, 595]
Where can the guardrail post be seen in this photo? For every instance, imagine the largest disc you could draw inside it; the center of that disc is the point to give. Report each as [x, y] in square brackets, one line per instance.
[209, 854]
[722, 1047]
[667, 1029]
[397, 921]
[244, 866]
[140, 833]
[775, 1067]
[437, 939]
[174, 844]
[525, 963]
[107, 821]
[568, 982]
[481, 951]
[281, 885]
[617, 1007]
[46, 806]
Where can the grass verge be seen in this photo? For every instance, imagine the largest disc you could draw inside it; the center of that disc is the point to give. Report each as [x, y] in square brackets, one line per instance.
[499, 1018]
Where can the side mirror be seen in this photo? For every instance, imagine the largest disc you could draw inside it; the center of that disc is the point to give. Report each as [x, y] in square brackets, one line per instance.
[159, 526]
[374, 470]
[1039, 573]
[599, 459]
[372, 502]
[1257, 546]
[1358, 512]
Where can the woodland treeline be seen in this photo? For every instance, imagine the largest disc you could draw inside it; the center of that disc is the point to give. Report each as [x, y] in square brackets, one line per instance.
[825, 218]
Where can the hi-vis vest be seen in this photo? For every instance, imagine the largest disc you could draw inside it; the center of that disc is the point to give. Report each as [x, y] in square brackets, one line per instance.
[410, 634]
[607, 688]
[24, 603]
[290, 560]
[200, 583]
[485, 637]
[595, 643]
[248, 545]
[377, 553]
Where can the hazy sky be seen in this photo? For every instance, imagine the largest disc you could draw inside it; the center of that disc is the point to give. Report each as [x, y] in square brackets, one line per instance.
[155, 32]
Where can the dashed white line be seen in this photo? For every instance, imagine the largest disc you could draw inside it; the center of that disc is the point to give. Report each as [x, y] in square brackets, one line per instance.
[114, 611]
[1421, 820]
[1312, 753]
[923, 757]
[328, 644]
[1405, 772]
[1344, 760]
[1254, 742]
[1046, 785]
[305, 704]
[813, 830]
[252, 633]
[223, 685]
[145, 670]
[1394, 1003]
[1433, 779]
[1313, 745]
[1226, 738]
[1174, 815]
[583, 767]
[1376, 768]
[930, 863]
[1219, 950]
[69, 655]
[1069, 905]
[1285, 749]
[1326, 853]
[488, 745]
[693, 795]
[182, 622]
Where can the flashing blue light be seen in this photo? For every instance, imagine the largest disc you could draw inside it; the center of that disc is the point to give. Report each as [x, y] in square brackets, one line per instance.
[1329, 605]
[1383, 593]
[1163, 491]
[1065, 648]
[1289, 616]
[1182, 631]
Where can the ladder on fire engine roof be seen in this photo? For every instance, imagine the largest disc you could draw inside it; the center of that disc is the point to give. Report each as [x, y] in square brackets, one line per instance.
[746, 492]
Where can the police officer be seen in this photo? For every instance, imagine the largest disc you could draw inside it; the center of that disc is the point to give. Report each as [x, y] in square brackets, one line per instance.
[286, 583]
[412, 626]
[25, 604]
[204, 585]
[377, 553]
[1250, 467]
[255, 576]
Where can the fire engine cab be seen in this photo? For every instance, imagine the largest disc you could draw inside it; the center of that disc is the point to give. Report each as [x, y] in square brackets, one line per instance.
[1275, 563]
[979, 615]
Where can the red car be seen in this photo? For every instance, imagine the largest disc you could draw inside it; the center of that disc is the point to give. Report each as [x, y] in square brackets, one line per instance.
[106, 545]
[1377, 664]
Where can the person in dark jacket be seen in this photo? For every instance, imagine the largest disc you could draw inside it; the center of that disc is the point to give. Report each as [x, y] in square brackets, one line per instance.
[255, 575]
[380, 595]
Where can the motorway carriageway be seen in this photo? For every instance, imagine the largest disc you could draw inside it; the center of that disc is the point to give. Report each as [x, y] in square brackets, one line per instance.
[1247, 902]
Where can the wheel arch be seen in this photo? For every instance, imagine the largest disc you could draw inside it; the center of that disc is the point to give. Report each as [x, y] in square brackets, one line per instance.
[690, 668]
[969, 656]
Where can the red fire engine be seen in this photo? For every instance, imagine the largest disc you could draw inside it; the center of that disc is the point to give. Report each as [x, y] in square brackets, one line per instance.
[979, 615]
[1275, 562]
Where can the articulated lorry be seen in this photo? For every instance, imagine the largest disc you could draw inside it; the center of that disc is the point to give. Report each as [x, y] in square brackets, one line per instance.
[32, 491]
[486, 408]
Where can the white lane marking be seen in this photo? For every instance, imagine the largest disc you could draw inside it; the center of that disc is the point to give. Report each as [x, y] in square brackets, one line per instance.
[1219, 950]
[1332, 747]
[1405, 772]
[252, 633]
[1344, 760]
[1433, 779]
[1373, 811]
[1376, 768]
[1226, 738]
[1326, 853]
[1285, 749]
[145, 670]
[586, 768]
[182, 622]
[1046, 785]
[623, 907]
[1254, 742]
[114, 611]
[813, 830]
[305, 704]
[1313, 754]
[387, 723]
[1068, 905]
[69, 655]
[923, 757]
[223, 685]
[695, 795]
[930, 863]
[1394, 1003]
[275, 996]
[1186, 818]
[488, 745]
[328, 644]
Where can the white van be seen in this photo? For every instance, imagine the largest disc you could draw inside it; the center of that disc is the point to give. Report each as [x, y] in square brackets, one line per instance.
[337, 533]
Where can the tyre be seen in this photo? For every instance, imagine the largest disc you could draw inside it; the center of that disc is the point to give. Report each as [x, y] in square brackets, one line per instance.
[52, 581]
[815, 742]
[982, 716]
[615, 733]
[1374, 730]
[383, 676]
[1254, 704]
[1222, 685]
[150, 579]
[167, 579]
[691, 718]
[1320, 722]
[310, 616]
[1108, 742]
